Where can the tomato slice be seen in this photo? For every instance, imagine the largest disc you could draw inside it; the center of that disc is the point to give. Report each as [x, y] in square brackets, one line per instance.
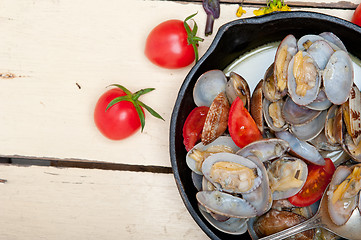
[241, 126]
[193, 126]
[317, 181]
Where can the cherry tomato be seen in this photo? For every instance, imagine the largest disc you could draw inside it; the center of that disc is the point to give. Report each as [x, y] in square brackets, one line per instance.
[119, 121]
[356, 17]
[317, 181]
[241, 126]
[172, 44]
[193, 126]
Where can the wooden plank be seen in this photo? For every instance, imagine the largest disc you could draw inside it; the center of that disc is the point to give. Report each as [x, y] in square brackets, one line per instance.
[56, 59]
[61, 203]
[332, 4]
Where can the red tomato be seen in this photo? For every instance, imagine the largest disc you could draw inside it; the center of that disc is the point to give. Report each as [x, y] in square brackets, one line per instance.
[317, 181]
[119, 121]
[241, 125]
[356, 18]
[193, 126]
[167, 45]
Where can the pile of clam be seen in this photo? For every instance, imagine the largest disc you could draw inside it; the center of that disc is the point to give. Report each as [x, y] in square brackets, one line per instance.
[307, 103]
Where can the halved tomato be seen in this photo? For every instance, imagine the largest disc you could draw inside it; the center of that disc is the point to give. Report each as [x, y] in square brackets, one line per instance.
[193, 126]
[317, 181]
[241, 126]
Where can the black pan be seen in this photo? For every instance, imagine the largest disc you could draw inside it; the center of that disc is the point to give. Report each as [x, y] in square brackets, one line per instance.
[232, 40]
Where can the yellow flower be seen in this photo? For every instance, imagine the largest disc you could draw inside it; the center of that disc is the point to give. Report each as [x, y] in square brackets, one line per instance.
[240, 11]
[285, 8]
[259, 12]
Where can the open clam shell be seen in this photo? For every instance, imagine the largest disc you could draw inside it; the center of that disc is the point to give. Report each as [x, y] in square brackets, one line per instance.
[311, 129]
[286, 50]
[295, 114]
[320, 51]
[225, 204]
[321, 102]
[265, 149]
[301, 148]
[335, 41]
[303, 79]
[232, 173]
[261, 197]
[257, 106]
[238, 87]
[269, 86]
[233, 226]
[208, 86]
[352, 114]
[338, 77]
[199, 152]
[273, 115]
[287, 176]
[307, 40]
[341, 209]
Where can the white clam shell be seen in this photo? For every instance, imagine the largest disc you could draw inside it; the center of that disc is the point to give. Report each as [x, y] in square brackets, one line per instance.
[208, 86]
[301, 148]
[233, 158]
[341, 210]
[280, 194]
[338, 77]
[220, 141]
[226, 204]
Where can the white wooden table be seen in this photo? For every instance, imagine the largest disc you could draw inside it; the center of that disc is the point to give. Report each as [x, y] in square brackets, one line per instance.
[56, 59]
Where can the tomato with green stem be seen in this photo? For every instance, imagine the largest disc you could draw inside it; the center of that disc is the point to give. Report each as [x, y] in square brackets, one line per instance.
[241, 126]
[173, 44]
[119, 113]
[316, 183]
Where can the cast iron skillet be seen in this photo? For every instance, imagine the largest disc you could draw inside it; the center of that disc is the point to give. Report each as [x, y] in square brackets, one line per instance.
[232, 40]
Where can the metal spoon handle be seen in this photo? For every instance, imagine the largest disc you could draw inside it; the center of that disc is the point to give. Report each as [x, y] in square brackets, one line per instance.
[311, 223]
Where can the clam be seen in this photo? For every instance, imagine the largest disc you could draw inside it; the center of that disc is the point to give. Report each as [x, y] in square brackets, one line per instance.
[232, 173]
[303, 79]
[343, 193]
[307, 40]
[272, 113]
[338, 77]
[286, 50]
[261, 197]
[301, 148]
[257, 107]
[199, 152]
[287, 176]
[333, 40]
[311, 129]
[265, 150]
[234, 226]
[208, 86]
[216, 120]
[352, 114]
[225, 204]
[238, 87]
[321, 102]
[330, 127]
[320, 51]
[269, 86]
[297, 115]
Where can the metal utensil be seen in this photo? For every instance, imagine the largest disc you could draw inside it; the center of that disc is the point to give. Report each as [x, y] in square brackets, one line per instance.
[350, 230]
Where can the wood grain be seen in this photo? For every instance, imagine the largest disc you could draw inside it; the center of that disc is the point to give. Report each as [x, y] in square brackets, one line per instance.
[60, 203]
[58, 57]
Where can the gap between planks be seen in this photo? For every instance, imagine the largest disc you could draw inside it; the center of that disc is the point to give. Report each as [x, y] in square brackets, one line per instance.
[74, 163]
